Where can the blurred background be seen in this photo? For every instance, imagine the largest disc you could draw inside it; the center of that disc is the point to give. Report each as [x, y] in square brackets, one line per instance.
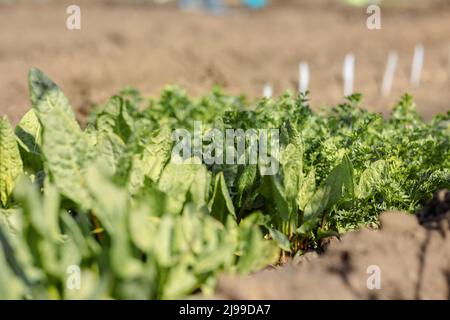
[239, 45]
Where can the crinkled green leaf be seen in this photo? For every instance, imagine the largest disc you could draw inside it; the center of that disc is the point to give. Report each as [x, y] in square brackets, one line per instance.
[292, 167]
[110, 147]
[64, 145]
[176, 180]
[115, 118]
[370, 179]
[307, 189]
[11, 165]
[45, 95]
[157, 153]
[146, 155]
[65, 150]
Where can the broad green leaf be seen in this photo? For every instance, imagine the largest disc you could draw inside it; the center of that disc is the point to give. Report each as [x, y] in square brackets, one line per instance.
[28, 132]
[111, 202]
[307, 189]
[157, 153]
[281, 239]
[142, 229]
[190, 223]
[338, 183]
[321, 233]
[110, 147]
[254, 251]
[176, 180]
[111, 206]
[75, 233]
[163, 248]
[221, 204]
[92, 287]
[45, 95]
[272, 189]
[246, 182]
[41, 223]
[65, 151]
[115, 118]
[154, 199]
[11, 165]
[216, 245]
[180, 283]
[42, 212]
[64, 146]
[199, 190]
[11, 219]
[21, 252]
[146, 155]
[292, 168]
[10, 286]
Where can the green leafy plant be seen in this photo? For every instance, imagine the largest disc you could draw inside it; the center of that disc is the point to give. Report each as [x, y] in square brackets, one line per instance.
[107, 203]
[106, 200]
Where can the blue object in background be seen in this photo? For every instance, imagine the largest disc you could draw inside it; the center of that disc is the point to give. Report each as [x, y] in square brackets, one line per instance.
[214, 6]
[256, 4]
[219, 6]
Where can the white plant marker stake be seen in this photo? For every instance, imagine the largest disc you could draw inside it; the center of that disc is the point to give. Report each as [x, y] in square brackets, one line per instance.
[303, 77]
[416, 69]
[388, 78]
[267, 91]
[348, 73]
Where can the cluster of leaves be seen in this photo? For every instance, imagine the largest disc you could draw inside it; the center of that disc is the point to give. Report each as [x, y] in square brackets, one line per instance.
[105, 203]
[108, 200]
[339, 167]
[343, 166]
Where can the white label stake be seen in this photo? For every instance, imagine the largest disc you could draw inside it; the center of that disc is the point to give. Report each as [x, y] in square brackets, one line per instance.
[303, 77]
[267, 91]
[389, 73]
[348, 74]
[417, 65]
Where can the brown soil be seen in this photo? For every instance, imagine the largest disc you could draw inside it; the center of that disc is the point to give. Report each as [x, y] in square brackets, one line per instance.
[414, 262]
[150, 46]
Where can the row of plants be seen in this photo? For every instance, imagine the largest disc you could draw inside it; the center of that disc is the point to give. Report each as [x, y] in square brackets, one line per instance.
[106, 200]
